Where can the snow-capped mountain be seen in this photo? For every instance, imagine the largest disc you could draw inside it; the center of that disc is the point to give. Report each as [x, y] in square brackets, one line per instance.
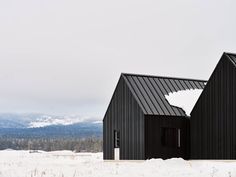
[46, 120]
[48, 126]
[49, 121]
[41, 120]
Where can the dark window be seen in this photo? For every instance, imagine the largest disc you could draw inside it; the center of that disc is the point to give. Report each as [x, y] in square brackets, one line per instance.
[116, 139]
[170, 137]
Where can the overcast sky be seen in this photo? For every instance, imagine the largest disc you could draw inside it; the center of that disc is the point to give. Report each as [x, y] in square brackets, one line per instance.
[65, 56]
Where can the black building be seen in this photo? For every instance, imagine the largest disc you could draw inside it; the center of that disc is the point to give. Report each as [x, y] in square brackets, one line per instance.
[141, 123]
[213, 119]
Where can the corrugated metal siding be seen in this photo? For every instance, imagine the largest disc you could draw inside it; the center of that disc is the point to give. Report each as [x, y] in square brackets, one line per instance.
[213, 124]
[124, 114]
[150, 92]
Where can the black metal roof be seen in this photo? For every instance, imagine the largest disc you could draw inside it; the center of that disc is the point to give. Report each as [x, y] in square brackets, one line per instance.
[232, 57]
[150, 91]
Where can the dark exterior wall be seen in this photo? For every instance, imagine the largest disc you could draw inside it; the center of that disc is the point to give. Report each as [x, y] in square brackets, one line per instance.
[153, 146]
[125, 115]
[213, 119]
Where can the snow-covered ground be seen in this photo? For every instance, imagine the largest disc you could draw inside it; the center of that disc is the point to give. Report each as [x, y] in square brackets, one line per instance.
[69, 164]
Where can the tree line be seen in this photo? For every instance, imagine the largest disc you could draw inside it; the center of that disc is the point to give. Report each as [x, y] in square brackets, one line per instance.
[90, 144]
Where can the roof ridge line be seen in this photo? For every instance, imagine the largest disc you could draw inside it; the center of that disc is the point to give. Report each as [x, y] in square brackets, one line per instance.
[164, 77]
[229, 53]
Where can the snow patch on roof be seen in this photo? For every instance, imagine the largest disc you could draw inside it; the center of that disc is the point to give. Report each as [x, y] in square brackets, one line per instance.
[184, 99]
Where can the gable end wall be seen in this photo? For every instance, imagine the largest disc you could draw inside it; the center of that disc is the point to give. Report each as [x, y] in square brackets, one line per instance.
[213, 123]
[125, 115]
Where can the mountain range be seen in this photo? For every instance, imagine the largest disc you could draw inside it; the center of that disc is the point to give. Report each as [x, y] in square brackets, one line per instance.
[48, 126]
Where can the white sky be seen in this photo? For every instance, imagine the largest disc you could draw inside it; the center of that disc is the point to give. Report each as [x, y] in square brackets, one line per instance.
[65, 56]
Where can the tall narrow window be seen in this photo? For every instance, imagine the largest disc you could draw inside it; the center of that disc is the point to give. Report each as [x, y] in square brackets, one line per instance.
[116, 145]
[179, 140]
[116, 139]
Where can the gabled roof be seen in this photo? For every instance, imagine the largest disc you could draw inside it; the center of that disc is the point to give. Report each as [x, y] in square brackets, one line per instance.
[149, 92]
[226, 56]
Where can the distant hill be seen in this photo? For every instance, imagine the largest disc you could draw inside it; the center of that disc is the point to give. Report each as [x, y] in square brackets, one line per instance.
[80, 130]
[45, 126]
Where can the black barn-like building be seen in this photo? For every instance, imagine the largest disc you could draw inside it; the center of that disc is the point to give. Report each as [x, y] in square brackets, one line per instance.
[213, 118]
[142, 124]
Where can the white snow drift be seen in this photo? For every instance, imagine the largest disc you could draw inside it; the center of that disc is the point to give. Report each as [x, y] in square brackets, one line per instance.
[69, 164]
[184, 99]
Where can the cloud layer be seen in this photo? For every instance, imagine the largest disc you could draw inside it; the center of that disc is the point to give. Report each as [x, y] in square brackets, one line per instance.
[65, 56]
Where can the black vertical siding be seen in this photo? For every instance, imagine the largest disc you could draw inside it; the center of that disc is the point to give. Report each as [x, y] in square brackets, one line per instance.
[125, 115]
[153, 146]
[213, 124]
[138, 109]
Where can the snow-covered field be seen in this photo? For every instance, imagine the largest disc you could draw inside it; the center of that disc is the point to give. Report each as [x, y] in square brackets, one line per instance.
[69, 164]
